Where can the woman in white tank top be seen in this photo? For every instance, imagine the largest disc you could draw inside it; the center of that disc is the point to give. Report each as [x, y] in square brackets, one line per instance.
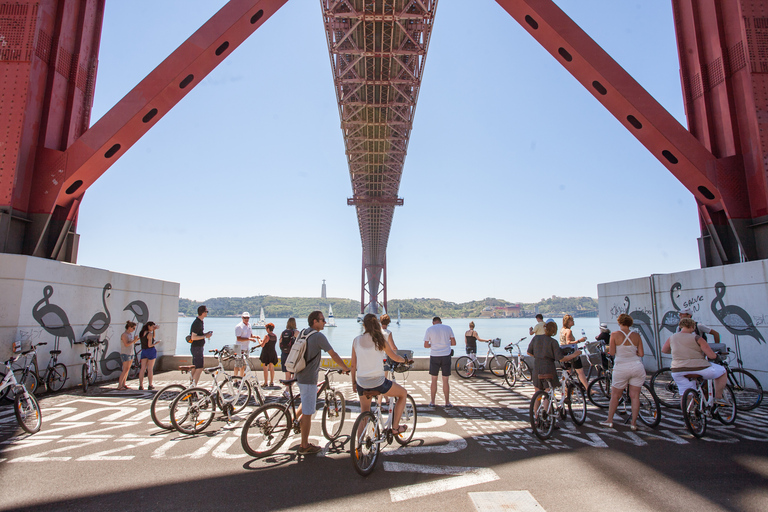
[628, 369]
[367, 368]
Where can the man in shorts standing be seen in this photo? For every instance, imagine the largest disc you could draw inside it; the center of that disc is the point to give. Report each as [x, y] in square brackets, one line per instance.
[198, 334]
[307, 378]
[439, 339]
[244, 336]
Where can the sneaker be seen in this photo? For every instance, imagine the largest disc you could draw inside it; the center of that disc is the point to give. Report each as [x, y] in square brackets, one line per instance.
[309, 450]
[448, 405]
[722, 402]
[608, 424]
[150, 388]
[431, 405]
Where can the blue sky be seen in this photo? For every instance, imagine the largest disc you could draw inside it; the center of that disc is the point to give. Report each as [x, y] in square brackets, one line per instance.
[518, 184]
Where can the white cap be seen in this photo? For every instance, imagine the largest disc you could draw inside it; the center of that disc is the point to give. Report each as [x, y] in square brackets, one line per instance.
[246, 314]
[686, 311]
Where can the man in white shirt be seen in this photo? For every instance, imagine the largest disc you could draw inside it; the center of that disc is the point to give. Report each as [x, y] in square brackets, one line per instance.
[244, 336]
[439, 339]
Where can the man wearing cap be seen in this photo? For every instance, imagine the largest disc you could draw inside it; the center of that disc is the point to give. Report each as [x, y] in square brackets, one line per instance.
[700, 328]
[244, 336]
[605, 333]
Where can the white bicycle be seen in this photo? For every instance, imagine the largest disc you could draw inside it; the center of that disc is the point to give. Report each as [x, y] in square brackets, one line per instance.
[25, 405]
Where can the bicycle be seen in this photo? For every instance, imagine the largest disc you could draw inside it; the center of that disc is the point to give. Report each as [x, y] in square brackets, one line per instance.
[135, 362]
[516, 367]
[194, 408]
[698, 404]
[53, 378]
[89, 370]
[370, 431]
[546, 407]
[745, 386]
[467, 366]
[266, 429]
[25, 406]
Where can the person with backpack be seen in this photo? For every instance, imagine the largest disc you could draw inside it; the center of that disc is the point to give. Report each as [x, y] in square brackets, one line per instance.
[287, 337]
[699, 329]
[309, 346]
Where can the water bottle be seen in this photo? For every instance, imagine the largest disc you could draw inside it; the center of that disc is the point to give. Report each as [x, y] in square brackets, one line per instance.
[583, 334]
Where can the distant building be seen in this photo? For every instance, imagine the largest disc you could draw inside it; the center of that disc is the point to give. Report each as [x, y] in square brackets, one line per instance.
[515, 311]
[322, 291]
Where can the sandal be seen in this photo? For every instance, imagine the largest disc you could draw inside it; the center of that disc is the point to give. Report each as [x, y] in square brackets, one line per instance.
[401, 429]
[309, 449]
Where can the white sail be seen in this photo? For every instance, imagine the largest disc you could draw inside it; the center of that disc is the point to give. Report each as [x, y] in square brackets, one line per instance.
[398, 316]
[331, 321]
[262, 323]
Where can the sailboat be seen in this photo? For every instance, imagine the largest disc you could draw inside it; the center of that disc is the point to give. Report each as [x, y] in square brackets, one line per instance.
[398, 316]
[331, 321]
[262, 323]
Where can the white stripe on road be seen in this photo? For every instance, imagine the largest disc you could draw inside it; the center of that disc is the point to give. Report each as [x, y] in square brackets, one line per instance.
[458, 477]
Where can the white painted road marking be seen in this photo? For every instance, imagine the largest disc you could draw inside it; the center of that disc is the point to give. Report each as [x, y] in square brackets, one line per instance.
[458, 476]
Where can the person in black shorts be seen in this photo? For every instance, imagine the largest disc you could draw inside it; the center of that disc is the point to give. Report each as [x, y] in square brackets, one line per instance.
[439, 339]
[198, 334]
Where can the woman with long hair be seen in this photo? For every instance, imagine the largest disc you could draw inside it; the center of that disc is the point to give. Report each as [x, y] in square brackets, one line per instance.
[368, 370]
[148, 353]
[126, 353]
[268, 355]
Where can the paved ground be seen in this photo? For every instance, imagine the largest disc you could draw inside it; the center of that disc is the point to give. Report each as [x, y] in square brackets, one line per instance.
[101, 451]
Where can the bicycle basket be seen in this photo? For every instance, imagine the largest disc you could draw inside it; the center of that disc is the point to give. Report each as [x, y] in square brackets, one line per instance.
[496, 342]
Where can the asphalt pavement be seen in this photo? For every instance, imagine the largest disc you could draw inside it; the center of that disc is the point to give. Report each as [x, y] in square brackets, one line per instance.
[101, 451]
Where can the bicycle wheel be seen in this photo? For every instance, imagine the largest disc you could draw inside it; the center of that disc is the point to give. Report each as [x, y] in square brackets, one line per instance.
[265, 430]
[746, 389]
[542, 417]
[650, 409]
[465, 368]
[27, 412]
[84, 374]
[664, 388]
[160, 409]
[238, 389]
[726, 413]
[577, 404]
[599, 392]
[334, 412]
[192, 411]
[510, 374]
[695, 419]
[56, 377]
[133, 372]
[497, 365]
[525, 370]
[28, 381]
[364, 443]
[92, 375]
[409, 419]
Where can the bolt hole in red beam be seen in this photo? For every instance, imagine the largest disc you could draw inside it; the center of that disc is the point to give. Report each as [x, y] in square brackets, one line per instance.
[73, 187]
[256, 17]
[111, 151]
[186, 81]
[150, 115]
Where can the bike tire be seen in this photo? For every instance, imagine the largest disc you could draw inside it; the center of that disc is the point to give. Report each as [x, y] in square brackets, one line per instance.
[726, 414]
[746, 389]
[510, 374]
[577, 404]
[56, 378]
[497, 365]
[599, 392]
[525, 370]
[133, 372]
[364, 443]
[664, 388]
[4, 392]
[695, 419]
[160, 409]
[84, 375]
[409, 417]
[27, 412]
[465, 368]
[334, 412]
[265, 430]
[24, 378]
[542, 419]
[240, 388]
[93, 375]
[192, 410]
[650, 408]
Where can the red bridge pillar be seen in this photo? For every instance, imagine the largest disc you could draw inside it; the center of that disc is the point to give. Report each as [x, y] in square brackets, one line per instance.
[48, 61]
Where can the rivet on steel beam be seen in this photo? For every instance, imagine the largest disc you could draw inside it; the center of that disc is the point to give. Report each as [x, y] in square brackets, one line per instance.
[73, 187]
[671, 158]
[634, 122]
[150, 115]
[111, 151]
[531, 22]
[256, 17]
[565, 55]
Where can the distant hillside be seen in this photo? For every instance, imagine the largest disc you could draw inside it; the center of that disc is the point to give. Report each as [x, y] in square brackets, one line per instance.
[300, 307]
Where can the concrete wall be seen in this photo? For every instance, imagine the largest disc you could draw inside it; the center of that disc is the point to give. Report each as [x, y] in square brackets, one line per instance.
[45, 300]
[731, 299]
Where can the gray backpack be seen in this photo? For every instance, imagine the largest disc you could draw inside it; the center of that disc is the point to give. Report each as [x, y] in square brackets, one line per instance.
[296, 360]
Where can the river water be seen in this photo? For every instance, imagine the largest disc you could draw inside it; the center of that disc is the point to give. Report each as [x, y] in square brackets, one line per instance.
[409, 335]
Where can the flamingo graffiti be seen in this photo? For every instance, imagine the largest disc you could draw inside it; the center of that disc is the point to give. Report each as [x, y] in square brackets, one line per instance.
[643, 323]
[671, 319]
[52, 318]
[101, 320]
[140, 311]
[735, 319]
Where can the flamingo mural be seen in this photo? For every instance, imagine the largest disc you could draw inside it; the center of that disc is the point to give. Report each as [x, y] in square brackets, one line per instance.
[101, 320]
[671, 319]
[643, 324]
[52, 318]
[735, 319]
[140, 311]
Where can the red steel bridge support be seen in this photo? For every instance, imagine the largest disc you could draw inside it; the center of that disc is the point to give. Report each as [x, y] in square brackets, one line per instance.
[50, 155]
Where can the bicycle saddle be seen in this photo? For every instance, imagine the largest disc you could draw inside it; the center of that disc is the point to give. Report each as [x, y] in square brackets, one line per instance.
[55, 352]
[693, 376]
[287, 382]
[371, 394]
[546, 376]
[85, 356]
[187, 368]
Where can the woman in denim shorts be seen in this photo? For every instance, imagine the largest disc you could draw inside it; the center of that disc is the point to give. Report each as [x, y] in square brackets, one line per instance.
[126, 353]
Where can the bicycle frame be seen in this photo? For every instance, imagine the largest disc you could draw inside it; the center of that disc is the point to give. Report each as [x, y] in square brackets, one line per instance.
[490, 354]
